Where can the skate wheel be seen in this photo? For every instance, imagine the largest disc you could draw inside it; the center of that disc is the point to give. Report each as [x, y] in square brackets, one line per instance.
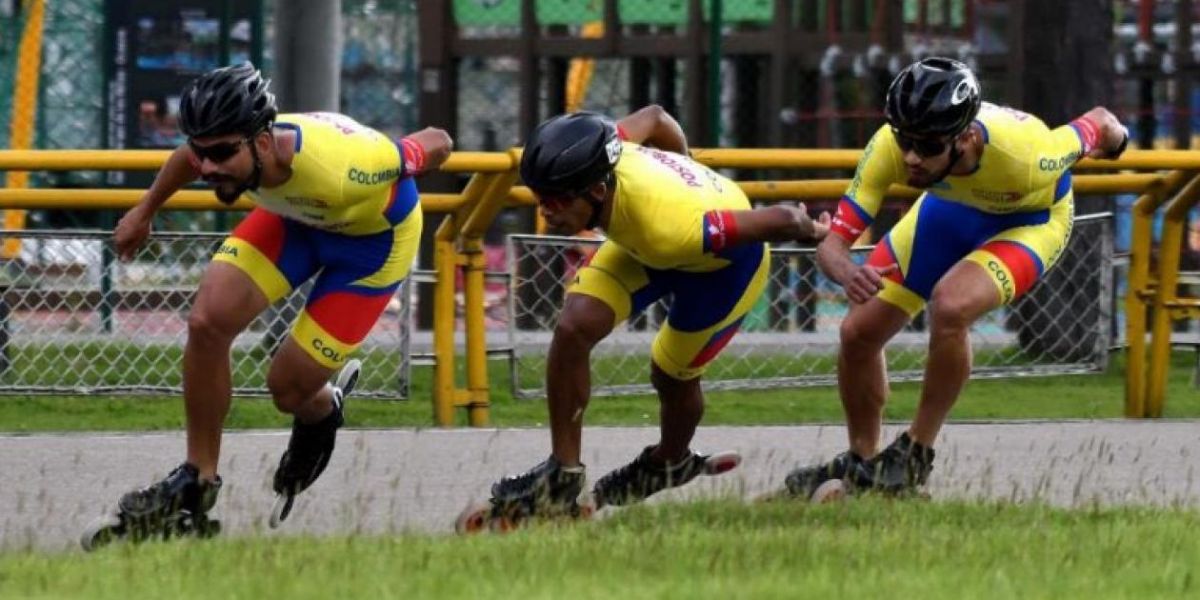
[721, 462]
[587, 511]
[774, 496]
[281, 509]
[502, 524]
[101, 532]
[473, 519]
[829, 492]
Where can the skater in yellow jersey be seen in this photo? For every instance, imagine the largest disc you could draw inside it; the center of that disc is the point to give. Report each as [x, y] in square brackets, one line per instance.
[995, 215]
[674, 228]
[335, 201]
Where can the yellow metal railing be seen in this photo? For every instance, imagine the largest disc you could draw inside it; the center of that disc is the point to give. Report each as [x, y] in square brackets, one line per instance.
[1174, 182]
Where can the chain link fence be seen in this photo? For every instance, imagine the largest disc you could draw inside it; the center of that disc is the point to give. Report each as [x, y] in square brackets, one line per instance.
[790, 338]
[73, 319]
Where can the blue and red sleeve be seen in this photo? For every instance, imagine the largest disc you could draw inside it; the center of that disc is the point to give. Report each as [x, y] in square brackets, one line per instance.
[1089, 133]
[720, 230]
[413, 155]
[851, 220]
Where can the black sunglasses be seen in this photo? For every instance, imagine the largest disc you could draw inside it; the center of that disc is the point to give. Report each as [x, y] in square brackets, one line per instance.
[218, 153]
[553, 201]
[924, 147]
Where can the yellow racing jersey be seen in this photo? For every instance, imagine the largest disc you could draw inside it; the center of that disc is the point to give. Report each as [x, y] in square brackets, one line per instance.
[344, 177]
[671, 212]
[1024, 167]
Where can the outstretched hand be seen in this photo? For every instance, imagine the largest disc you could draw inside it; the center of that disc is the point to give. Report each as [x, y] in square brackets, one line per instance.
[131, 233]
[806, 229]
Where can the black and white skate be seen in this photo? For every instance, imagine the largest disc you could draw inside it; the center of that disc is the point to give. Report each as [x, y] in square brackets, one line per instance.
[177, 506]
[644, 477]
[310, 448]
[547, 491]
[901, 469]
[814, 482]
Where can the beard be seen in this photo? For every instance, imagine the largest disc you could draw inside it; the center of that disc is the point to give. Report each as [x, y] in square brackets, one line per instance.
[227, 196]
[227, 190]
[921, 182]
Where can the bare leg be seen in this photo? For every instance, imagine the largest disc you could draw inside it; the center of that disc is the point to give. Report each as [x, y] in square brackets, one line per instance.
[963, 295]
[297, 383]
[862, 370]
[680, 410]
[227, 301]
[583, 323]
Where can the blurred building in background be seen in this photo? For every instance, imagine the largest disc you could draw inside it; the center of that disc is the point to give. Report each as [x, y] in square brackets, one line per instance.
[744, 73]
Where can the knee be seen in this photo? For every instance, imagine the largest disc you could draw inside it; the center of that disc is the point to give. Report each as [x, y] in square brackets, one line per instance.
[858, 337]
[949, 312]
[206, 328]
[288, 397]
[575, 334]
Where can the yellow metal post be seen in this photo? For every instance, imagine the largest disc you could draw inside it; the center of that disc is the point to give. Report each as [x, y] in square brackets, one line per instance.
[445, 260]
[24, 111]
[1165, 296]
[477, 379]
[470, 243]
[446, 395]
[1137, 291]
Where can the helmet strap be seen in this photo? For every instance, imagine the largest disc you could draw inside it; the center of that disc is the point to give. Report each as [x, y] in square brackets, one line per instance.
[955, 154]
[255, 178]
[597, 210]
[598, 206]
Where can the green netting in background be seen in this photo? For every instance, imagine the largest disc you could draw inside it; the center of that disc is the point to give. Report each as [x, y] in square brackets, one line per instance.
[507, 13]
[71, 95]
[379, 71]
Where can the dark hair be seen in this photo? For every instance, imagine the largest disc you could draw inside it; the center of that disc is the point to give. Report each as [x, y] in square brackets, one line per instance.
[568, 153]
[933, 97]
[227, 100]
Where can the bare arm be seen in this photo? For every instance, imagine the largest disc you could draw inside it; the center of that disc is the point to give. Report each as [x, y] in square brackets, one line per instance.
[779, 223]
[1113, 136]
[833, 257]
[134, 228]
[434, 145]
[180, 169]
[653, 126]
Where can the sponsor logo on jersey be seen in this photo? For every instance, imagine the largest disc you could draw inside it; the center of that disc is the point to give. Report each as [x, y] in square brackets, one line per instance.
[1060, 163]
[997, 197]
[671, 162]
[305, 201]
[1001, 275]
[330, 353]
[365, 178]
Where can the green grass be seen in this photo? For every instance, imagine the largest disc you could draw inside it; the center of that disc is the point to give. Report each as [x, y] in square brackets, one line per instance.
[720, 549]
[1060, 397]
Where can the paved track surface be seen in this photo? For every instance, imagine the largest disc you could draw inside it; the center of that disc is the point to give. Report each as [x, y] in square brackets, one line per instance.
[51, 486]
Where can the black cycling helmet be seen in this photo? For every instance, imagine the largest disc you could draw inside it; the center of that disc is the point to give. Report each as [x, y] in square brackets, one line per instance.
[227, 100]
[935, 97]
[568, 153]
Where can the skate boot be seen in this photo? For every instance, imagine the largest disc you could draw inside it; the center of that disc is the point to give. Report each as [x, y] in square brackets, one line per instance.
[548, 490]
[902, 468]
[310, 448]
[177, 506]
[804, 481]
[645, 476]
